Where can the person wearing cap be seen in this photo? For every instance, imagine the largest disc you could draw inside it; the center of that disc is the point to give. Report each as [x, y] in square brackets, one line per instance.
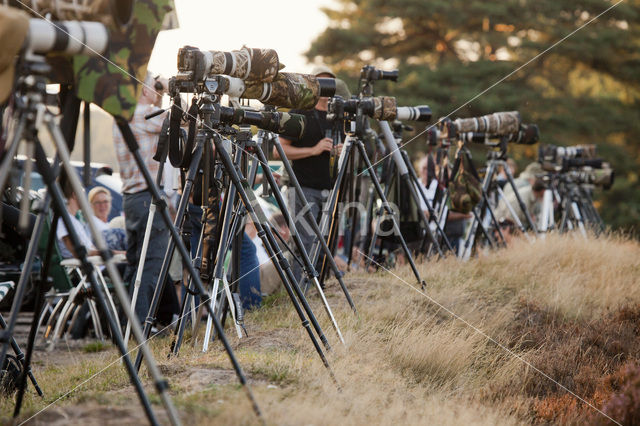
[137, 197]
[530, 188]
[310, 157]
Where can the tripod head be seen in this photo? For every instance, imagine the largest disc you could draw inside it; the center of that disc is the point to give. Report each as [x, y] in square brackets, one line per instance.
[369, 74]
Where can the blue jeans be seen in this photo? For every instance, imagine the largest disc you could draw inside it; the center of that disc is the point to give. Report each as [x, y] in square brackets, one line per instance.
[249, 282]
[136, 212]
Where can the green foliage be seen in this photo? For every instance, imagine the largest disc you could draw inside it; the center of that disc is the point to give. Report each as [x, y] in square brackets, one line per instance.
[470, 58]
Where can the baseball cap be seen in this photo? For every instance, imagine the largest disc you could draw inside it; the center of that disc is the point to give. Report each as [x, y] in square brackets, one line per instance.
[322, 69]
[531, 171]
[14, 25]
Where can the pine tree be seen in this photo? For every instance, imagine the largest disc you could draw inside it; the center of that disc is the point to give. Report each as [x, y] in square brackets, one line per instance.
[584, 88]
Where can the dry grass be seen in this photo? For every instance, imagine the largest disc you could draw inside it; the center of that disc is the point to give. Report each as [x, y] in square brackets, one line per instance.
[568, 307]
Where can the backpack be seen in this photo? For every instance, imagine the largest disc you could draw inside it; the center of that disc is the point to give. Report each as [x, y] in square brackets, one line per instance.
[465, 186]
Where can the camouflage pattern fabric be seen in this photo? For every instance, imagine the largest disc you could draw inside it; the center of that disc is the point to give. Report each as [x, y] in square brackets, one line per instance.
[603, 177]
[292, 125]
[288, 90]
[465, 190]
[109, 84]
[249, 64]
[499, 123]
[385, 108]
[283, 123]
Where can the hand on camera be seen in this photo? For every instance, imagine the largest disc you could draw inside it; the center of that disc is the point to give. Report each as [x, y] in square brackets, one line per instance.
[325, 144]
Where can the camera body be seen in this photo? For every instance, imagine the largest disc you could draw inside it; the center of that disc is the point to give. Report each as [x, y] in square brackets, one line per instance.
[371, 73]
[579, 164]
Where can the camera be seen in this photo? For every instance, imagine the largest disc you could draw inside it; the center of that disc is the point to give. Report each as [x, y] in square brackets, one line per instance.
[528, 134]
[252, 65]
[377, 107]
[282, 123]
[556, 154]
[371, 73]
[288, 90]
[602, 178]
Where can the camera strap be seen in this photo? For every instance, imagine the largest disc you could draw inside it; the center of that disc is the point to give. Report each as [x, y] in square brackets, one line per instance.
[180, 153]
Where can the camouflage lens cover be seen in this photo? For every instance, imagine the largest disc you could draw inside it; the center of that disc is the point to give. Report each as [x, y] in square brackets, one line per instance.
[115, 84]
[385, 108]
[249, 64]
[498, 123]
[291, 90]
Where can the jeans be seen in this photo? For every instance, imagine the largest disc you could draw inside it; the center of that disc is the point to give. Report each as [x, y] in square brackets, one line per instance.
[249, 282]
[136, 211]
[315, 200]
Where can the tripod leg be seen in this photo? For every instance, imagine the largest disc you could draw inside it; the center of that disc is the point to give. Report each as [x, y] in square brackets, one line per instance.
[385, 204]
[282, 265]
[310, 270]
[138, 279]
[134, 149]
[38, 307]
[164, 270]
[314, 225]
[56, 194]
[479, 220]
[521, 203]
[374, 233]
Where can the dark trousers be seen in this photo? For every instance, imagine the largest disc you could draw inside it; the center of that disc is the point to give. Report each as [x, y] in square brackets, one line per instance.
[315, 201]
[136, 212]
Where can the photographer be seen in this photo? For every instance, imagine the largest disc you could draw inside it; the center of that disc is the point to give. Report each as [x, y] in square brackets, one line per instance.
[310, 157]
[137, 197]
[531, 190]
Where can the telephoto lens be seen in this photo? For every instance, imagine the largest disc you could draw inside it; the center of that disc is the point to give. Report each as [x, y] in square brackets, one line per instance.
[417, 113]
[498, 123]
[529, 134]
[249, 64]
[282, 123]
[371, 73]
[292, 90]
[556, 154]
[67, 37]
[602, 178]
[576, 163]
[109, 12]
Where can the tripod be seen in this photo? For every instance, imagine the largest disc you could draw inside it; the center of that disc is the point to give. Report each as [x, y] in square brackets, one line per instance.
[416, 191]
[30, 113]
[209, 113]
[572, 207]
[330, 214]
[293, 180]
[484, 214]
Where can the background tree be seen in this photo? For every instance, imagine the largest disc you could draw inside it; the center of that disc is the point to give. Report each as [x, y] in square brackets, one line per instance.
[584, 90]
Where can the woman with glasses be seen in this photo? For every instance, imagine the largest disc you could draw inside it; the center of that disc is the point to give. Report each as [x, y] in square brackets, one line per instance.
[100, 200]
